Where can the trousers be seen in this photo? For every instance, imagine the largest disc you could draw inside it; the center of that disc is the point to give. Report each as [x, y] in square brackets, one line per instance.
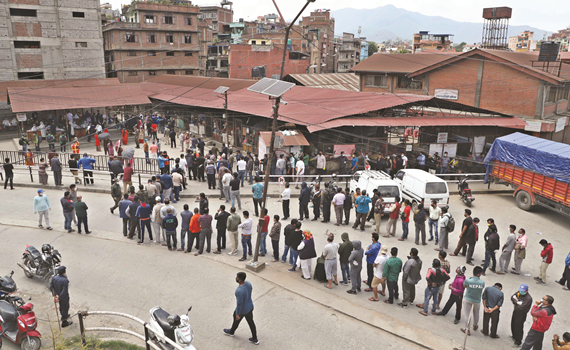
[285, 206]
[145, 224]
[205, 237]
[489, 256]
[518, 263]
[233, 240]
[504, 261]
[360, 220]
[470, 252]
[409, 291]
[467, 306]
[392, 291]
[533, 340]
[517, 326]
[338, 209]
[346, 215]
[303, 211]
[82, 219]
[377, 220]
[433, 226]
[326, 211]
[432, 292]
[227, 195]
[249, 318]
[193, 236]
[420, 230]
[443, 238]
[543, 267]
[45, 214]
[221, 239]
[391, 227]
[236, 197]
[494, 318]
[256, 204]
[134, 227]
[456, 300]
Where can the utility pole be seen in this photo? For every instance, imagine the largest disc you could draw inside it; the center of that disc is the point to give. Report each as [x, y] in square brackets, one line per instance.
[227, 118]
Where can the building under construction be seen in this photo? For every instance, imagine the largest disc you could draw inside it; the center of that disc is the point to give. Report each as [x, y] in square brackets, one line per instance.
[496, 28]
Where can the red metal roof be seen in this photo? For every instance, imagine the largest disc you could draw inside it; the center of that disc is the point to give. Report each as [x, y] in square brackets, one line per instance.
[400, 62]
[45, 99]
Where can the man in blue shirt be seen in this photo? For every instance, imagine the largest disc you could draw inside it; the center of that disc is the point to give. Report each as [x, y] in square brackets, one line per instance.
[354, 166]
[87, 164]
[59, 287]
[371, 255]
[244, 308]
[257, 190]
[565, 280]
[362, 207]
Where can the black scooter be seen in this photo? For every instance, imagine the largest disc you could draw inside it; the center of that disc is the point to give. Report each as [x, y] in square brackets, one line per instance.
[465, 192]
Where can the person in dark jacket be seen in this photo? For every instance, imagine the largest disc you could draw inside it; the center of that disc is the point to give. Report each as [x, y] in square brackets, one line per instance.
[200, 163]
[296, 239]
[410, 277]
[344, 250]
[288, 234]
[221, 218]
[81, 212]
[327, 197]
[143, 214]
[306, 253]
[317, 196]
[123, 205]
[355, 262]
[420, 222]
[435, 278]
[67, 205]
[116, 167]
[304, 199]
[59, 287]
[347, 205]
[170, 223]
[203, 203]
[134, 220]
[471, 239]
[192, 168]
[522, 302]
[491, 245]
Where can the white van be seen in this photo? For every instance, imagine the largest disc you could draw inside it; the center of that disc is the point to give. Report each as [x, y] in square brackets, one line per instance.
[419, 186]
[370, 180]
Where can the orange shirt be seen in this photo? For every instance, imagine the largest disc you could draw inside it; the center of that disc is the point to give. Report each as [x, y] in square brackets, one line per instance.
[194, 224]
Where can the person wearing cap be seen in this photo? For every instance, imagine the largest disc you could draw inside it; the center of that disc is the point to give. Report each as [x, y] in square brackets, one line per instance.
[492, 300]
[42, 206]
[456, 297]
[462, 244]
[522, 302]
[546, 254]
[115, 194]
[59, 287]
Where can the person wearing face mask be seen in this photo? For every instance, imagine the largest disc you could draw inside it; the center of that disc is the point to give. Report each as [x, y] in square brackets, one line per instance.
[244, 308]
[491, 245]
[462, 245]
[507, 251]
[522, 301]
[471, 240]
[321, 163]
[542, 314]
[520, 251]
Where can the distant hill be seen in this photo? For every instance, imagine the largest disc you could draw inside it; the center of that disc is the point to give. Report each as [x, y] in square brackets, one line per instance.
[389, 22]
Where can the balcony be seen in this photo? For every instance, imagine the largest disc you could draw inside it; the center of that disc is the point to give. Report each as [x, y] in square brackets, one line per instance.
[121, 25]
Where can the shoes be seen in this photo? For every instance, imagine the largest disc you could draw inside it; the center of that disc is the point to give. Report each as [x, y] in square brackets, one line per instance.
[228, 332]
[431, 239]
[402, 305]
[541, 282]
[515, 273]
[455, 321]
[88, 232]
[537, 278]
[241, 259]
[351, 291]
[470, 263]
[344, 283]
[140, 242]
[290, 270]
[254, 341]
[66, 323]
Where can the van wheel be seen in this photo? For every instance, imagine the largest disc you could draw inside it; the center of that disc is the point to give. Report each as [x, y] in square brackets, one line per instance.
[524, 200]
[414, 206]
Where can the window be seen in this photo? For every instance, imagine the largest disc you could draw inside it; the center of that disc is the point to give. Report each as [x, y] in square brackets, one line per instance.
[388, 191]
[188, 21]
[150, 19]
[168, 19]
[78, 14]
[170, 53]
[130, 37]
[170, 72]
[30, 75]
[224, 63]
[376, 80]
[189, 72]
[169, 38]
[151, 37]
[408, 83]
[152, 72]
[133, 74]
[551, 97]
[27, 45]
[436, 188]
[131, 53]
[80, 44]
[152, 53]
[253, 42]
[23, 12]
[187, 38]
[262, 42]
[187, 53]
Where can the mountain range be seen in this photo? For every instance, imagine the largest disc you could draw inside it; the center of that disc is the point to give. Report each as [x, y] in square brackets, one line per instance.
[389, 22]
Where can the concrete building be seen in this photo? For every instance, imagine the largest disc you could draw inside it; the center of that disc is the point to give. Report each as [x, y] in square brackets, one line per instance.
[562, 37]
[424, 41]
[363, 49]
[155, 39]
[258, 61]
[218, 20]
[50, 39]
[321, 23]
[522, 42]
[347, 52]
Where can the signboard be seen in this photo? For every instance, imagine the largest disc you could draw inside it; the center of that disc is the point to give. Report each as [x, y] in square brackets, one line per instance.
[533, 126]
[441, 137]
[21, 117]
[409, 148]
[560, 124]
[446, 94]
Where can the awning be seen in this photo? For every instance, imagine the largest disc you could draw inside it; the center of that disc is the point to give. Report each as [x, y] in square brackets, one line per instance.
[49, 98]
[290, 138]
[504, 122]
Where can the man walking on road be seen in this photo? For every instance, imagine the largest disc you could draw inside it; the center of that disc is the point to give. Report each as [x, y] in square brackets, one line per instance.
[462, 244]
[244, 308]
[472, 301]
[522, 302]
[116, 194]
[59, 287]
[507, 251]
[42, 207]
[492, 300]
[542, 314]
[546, 254]
[81, 212]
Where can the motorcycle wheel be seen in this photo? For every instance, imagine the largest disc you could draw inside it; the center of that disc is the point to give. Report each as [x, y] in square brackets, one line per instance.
[48, 278]
[468, 202]
[31, 343]
[27, 264]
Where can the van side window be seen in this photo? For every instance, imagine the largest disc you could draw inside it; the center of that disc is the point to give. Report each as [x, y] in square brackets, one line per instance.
[435, 188]
[356, 177]
[400, 175]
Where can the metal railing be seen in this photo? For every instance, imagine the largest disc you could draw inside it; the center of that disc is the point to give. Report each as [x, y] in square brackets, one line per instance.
[144, 337]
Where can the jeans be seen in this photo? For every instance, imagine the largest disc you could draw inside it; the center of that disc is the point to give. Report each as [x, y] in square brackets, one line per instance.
[171, 235]
[145, 224]
[227, 194]
[275, 245]
[262, 244]
[250, 176]
[236, 196]
[205, 238]
[429, 293]
[68, 219]
[345, 270]
[256, 203]
[9, 178]
[177, 192]
[405, 229]
[183, 233]
[294, 254]
[245, 244]
[489, 255]
[249, 318]
[241, 176]
[433, 225]
[285, 252]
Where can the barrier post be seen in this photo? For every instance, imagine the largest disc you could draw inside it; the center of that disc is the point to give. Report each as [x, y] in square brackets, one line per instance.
[82, 328]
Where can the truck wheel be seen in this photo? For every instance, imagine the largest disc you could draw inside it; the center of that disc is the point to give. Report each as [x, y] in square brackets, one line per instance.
[523, 200]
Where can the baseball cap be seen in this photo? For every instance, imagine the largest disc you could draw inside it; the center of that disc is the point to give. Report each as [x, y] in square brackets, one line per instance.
[523, 288]
[40, 191]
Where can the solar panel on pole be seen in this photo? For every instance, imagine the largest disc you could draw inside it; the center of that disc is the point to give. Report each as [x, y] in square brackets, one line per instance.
[221, 89]
[271, 87]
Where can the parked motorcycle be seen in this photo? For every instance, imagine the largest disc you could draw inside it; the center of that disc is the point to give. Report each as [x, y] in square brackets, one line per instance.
[17, 320]
[465, 192]
[43, 265]
[174, 327]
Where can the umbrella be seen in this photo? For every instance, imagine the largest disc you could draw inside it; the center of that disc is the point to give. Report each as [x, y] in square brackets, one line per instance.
[128, 152]
[103, 136]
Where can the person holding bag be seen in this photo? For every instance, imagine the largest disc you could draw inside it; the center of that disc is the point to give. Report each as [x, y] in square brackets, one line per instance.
[520, 251]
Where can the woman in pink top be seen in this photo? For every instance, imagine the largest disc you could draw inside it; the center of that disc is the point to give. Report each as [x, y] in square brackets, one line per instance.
[520, 251]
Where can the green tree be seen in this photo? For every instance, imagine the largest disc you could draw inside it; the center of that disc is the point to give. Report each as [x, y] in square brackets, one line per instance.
[372, 48]
[459, 48]
[402, 51]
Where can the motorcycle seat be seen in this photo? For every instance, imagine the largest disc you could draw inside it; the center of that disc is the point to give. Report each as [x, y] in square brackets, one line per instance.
[161, 317]
[9, 314]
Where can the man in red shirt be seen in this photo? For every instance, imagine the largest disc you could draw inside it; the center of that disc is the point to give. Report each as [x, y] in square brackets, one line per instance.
[546, 254]
[542, 314]
[127, 178]
[154, 129]
[393, 218]
[406, 219]
[264, 231]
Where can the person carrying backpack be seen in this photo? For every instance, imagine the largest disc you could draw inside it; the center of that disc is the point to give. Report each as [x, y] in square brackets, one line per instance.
[436, 277]
[24, 143]
[51, 140]
[446, 225]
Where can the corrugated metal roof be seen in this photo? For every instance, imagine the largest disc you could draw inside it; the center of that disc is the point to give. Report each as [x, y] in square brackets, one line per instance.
[291, 140]
[202, 82]
[400, 62]
[29, 99]
[335, 81]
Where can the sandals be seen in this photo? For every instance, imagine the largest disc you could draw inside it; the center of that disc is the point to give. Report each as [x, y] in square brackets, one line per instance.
[327, 286]
[40, 226]
[382, 293]
[422, 313]
[466, 331]
[372, 299]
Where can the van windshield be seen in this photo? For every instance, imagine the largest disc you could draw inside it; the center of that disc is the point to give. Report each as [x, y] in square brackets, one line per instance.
[388, 191]
[436, 188]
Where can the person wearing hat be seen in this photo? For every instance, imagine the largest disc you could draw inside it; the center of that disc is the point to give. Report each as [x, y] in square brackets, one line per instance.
[59, 287]
[42, 207]
[522, 302]
[116, 194]
[456, 297]
[546, 254]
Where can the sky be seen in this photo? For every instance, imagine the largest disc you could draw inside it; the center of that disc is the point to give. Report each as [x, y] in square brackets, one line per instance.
[550, 15]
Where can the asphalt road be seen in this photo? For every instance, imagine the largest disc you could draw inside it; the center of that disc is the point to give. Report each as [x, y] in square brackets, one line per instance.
[108, 272]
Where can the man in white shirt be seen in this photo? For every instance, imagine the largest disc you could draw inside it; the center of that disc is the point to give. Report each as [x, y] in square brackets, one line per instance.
[246, 234]
[281, 165]
[321, 163]
[177, 180]
[164, 209]
[226, 179]
[378, 270]
[241, 165]
[285, 198]
[338, 202]
[434, 214]
[184, 166]
[300, 167]
[404, 160]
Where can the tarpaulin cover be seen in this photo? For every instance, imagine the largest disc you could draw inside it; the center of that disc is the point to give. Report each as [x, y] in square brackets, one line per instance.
[545, 157]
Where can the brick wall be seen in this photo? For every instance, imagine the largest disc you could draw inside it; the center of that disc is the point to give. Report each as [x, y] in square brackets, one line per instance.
[27, 29]
[26, 2]
[28, 61]
[242, 60]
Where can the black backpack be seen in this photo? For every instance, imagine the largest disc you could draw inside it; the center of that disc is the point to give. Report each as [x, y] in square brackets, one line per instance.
[21, 141]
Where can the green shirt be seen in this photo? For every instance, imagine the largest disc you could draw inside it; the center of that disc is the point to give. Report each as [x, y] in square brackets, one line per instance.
[473, 289]
[80, 209]
[306, 161]
[392, 269]
[233, 221]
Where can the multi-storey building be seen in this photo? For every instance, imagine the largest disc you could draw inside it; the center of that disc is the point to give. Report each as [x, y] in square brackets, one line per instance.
[424, 41]
[156, 39]
[321, 23]
[562, 37]
[347, 52]
[363, 49]
[218, 19]
[50, 39]
[522, 42]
